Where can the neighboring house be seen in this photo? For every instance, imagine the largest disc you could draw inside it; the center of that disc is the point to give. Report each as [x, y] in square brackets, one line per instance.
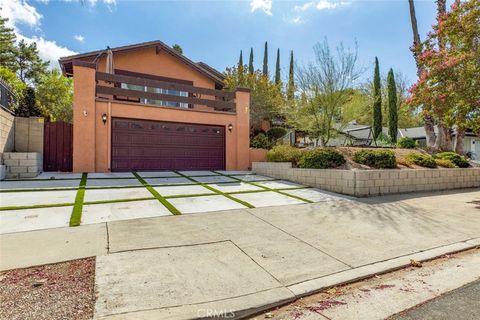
[147, 107]
[471, 140]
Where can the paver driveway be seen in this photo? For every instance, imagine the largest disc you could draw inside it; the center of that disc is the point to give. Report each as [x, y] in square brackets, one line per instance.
[55, 200]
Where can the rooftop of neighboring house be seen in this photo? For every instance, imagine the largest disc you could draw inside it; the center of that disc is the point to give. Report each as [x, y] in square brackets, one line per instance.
[66, 63]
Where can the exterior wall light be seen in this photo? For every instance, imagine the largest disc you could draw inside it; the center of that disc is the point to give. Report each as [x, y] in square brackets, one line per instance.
[104, 118]
[230, 127]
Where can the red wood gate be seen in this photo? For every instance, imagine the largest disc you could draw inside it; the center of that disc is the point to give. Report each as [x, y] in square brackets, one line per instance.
[58, 146]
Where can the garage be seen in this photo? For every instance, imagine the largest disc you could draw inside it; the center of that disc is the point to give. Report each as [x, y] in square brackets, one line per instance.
[142, 145]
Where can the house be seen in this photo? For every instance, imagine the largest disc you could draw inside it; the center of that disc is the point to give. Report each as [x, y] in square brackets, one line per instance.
[471, 141]
[147, 107]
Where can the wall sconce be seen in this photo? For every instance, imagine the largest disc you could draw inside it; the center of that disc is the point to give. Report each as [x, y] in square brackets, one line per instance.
[230, 127]
[104, 118]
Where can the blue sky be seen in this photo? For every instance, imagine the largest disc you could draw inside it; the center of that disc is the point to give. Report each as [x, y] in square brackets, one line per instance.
[216, 31]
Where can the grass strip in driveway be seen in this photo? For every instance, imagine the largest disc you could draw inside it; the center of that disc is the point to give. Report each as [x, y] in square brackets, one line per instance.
[267, 188]
[157, 195]
[76, 217]
[226, 195]
[38, 206]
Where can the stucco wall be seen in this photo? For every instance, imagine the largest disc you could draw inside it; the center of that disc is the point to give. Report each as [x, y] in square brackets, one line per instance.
[364, 183]
[29, 134]
[7, 137]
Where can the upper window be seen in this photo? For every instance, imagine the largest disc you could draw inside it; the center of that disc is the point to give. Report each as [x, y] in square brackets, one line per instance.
[158, 90]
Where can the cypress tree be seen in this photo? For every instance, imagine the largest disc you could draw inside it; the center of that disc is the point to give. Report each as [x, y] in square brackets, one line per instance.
[277, 68]
[291, 79]
[265, 61]
[241, 77]
[250, 63]
[392, 107]
[377, 102]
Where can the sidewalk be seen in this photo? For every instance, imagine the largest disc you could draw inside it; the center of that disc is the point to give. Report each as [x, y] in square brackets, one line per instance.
[244, 261]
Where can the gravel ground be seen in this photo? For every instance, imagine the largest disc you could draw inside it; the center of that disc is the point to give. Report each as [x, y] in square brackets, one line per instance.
[57, 291]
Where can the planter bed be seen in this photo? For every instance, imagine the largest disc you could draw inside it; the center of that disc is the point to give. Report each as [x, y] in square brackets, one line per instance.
[365, 183]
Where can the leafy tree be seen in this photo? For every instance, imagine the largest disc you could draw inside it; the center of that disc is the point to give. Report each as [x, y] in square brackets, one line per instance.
[54, 96]
[291, 80]
[26, 105]
[448, 87]
[265, 61]
[277, 69]
[324, 91]
[7, 45]
[29, 65]
[17, 86]
[266, 100]
[377, 102]
[250, 63]
[177, 48]
[392, 107]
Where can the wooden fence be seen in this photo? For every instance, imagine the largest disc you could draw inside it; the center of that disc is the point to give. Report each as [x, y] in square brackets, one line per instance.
[58, 146]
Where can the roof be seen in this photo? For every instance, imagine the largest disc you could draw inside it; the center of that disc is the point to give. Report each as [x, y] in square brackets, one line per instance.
[66, 63]
[415, 132]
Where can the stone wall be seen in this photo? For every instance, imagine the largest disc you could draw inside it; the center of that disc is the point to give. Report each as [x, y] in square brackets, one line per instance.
[364, 183]
[22, 164]
[29, 134]
[7, 142]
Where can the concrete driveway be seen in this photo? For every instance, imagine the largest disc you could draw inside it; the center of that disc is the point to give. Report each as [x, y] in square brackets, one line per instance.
[54, 200]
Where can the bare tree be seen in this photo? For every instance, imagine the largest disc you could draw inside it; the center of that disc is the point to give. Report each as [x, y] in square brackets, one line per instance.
[324, 87]
[428, 120]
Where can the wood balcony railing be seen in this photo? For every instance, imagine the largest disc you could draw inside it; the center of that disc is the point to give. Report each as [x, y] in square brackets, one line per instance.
[219, 100]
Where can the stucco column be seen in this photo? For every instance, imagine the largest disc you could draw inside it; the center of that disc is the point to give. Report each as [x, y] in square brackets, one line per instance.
[242, 99]
[83, 117]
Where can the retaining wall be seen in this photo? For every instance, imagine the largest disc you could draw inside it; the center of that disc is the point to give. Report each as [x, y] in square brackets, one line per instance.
[7, 142]
[22, 164]
[364, 183]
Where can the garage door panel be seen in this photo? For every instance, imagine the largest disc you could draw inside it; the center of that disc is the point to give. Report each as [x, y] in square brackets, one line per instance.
[152, 145]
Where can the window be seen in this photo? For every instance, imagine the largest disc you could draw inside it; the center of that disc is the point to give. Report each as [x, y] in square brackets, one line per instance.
[158, 90]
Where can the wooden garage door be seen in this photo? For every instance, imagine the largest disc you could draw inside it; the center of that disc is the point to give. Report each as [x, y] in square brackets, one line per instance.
[139, 145]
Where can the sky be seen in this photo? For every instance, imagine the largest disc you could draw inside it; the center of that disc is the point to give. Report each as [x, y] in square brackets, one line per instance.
[215, 31]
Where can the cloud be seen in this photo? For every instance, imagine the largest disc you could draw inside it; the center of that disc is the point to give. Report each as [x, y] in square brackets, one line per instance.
[79, 38]
[295, 20]
[19, 12]
[321, 5]
[263, 5]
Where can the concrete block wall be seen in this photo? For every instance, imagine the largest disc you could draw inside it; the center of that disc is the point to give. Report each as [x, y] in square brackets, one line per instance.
[7, 139]
[364, 183]
[29, 134]
[22, 164]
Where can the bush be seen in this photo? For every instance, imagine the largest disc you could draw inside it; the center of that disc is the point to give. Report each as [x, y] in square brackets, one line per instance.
[321, 158]
[421, 159]
[379, 159]
[445, 163]
[260, 141]
[276, 133]
[284, 153]
[457, 159]
[406, 143]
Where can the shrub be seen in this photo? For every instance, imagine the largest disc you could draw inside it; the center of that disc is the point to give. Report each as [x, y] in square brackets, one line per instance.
[457, 159]
[445, 163]
[260, 141]
[379, 159]
[284, 153]
[321, 158]
[276, 133]
[407, 143]
[421, 159]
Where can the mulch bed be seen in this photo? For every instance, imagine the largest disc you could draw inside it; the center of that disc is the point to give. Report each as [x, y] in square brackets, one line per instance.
[56, 291]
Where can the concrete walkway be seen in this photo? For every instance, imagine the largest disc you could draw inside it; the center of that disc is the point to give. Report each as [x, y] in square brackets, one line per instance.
[243, 261]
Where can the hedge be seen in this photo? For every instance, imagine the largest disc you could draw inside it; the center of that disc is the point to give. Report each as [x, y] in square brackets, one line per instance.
[457, 159]
[421, 159]
[284, 153]
[378, 159]
[321, 158]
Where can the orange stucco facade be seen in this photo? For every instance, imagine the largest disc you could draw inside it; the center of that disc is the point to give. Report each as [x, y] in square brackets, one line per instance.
[92, 138]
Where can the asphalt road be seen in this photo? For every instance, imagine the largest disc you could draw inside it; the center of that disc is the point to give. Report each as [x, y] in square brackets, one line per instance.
[460, 304]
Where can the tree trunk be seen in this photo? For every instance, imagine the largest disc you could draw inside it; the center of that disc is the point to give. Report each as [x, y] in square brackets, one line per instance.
[444, 138]
[460, 145]
[429, 124]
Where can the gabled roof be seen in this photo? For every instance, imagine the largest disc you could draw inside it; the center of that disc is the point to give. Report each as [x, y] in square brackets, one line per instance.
[66, 63]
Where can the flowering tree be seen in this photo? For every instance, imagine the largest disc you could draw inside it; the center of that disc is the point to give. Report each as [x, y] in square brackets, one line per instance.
[448, 88]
